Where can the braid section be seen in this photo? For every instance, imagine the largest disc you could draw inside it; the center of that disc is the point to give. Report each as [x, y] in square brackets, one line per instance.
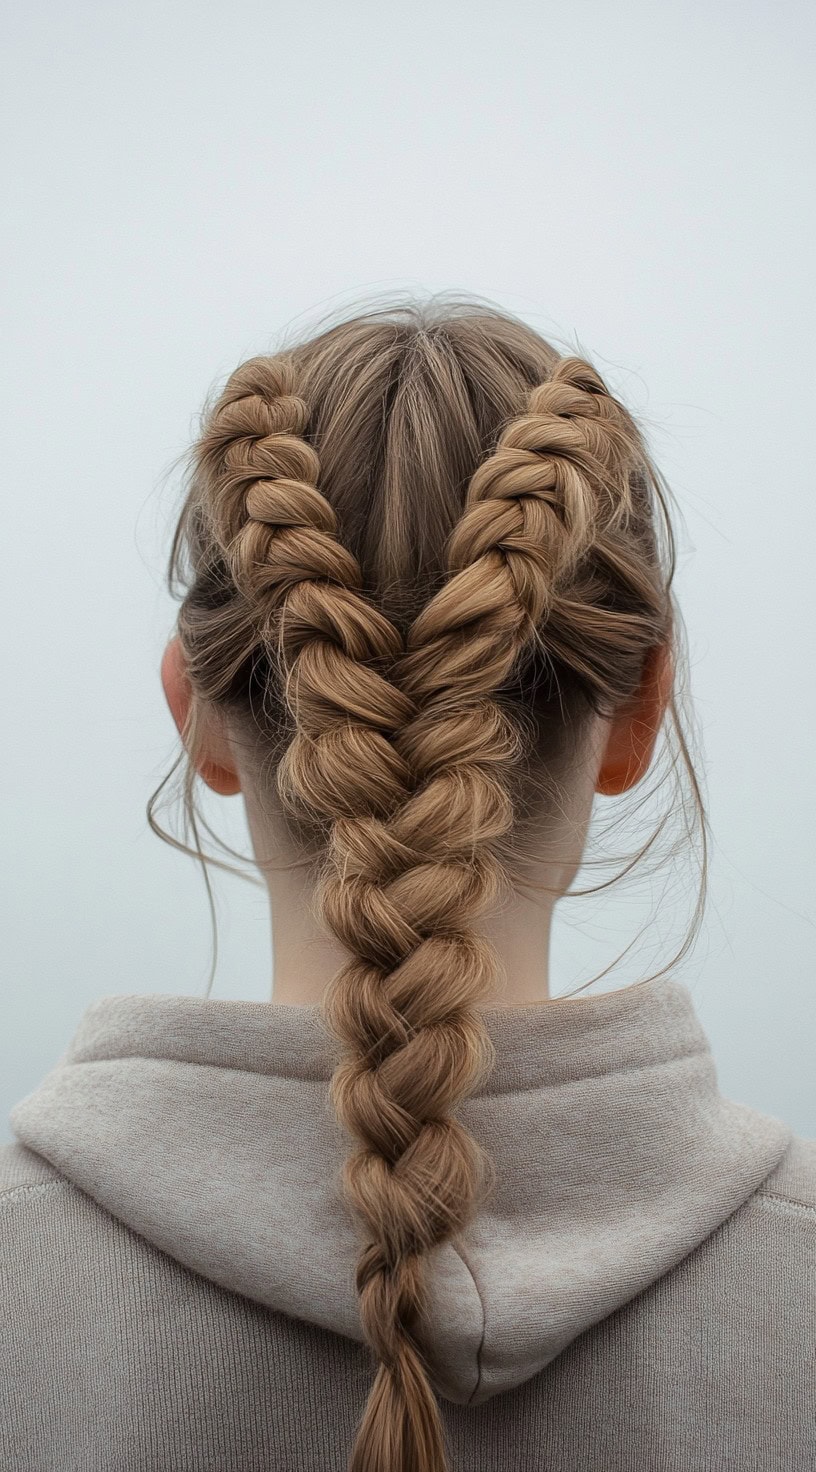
[422, 558]
[407, 872]
[557, 482]
[416, 883]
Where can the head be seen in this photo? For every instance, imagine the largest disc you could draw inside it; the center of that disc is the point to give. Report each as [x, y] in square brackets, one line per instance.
[426, 617]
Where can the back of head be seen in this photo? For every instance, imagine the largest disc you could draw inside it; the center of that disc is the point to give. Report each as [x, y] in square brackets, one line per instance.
[418, 551]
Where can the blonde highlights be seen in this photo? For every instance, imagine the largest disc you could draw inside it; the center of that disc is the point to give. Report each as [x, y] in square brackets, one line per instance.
[421, 549]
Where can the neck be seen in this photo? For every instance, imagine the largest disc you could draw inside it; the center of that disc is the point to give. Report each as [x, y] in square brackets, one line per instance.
[305, 956]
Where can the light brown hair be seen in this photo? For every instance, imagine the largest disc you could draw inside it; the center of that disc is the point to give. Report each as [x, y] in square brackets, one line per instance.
[416, 552]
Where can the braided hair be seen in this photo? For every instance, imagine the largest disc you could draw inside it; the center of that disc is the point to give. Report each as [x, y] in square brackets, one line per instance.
[397, 732]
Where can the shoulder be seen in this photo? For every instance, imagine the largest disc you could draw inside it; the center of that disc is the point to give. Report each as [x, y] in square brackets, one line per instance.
[26, 1177]
[792, 1183]
[764, 1254]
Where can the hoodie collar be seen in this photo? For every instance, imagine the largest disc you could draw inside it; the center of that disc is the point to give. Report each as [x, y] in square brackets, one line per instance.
[205, 1125]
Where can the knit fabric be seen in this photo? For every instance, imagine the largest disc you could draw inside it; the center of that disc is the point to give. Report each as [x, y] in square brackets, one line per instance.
[176, 1267]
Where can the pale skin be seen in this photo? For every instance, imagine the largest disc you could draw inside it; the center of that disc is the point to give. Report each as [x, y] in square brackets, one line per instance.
[618, 754]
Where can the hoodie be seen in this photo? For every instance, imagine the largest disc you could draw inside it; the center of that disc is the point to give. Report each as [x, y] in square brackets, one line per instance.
[184, 1150]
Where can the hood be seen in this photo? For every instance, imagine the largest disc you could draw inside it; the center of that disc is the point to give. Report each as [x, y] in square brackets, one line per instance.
[205, 1125]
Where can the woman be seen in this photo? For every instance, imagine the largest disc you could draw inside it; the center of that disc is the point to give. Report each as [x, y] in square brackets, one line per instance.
[415, 1214]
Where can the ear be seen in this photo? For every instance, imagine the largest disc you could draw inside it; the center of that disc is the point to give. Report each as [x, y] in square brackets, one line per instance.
[633, 732]
[213, 763]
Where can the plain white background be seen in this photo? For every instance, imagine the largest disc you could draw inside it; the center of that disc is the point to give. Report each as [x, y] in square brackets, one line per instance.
[182, 182]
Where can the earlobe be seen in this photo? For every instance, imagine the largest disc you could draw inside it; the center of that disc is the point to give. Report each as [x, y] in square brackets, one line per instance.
[633, 734]
[222, 778]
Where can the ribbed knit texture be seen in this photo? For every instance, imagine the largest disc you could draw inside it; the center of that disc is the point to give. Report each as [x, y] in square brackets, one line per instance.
[177, 1269]
[116, 1359]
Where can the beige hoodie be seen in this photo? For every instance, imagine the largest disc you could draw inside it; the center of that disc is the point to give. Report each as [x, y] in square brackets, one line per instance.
[177, 1272]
